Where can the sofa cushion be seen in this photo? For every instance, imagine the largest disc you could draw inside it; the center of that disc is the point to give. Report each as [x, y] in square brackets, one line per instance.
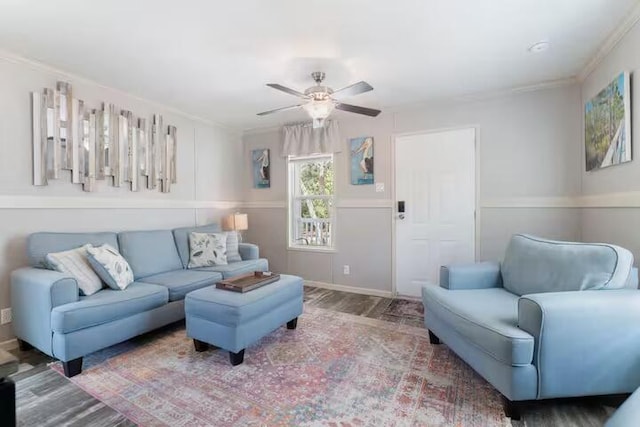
[181, 236]
[107, 306]
[149, 252]
[180, 282]
[487, 318]
[237, 268]
[41, 244]
[533, 265]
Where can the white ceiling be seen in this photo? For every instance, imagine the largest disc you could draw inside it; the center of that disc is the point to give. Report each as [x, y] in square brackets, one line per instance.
[213, 58]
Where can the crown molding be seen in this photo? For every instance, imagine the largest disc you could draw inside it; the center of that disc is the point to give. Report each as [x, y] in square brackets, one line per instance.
[630, 20]
[66, 75]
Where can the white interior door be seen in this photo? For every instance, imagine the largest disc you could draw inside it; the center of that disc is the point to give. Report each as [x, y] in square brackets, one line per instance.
[435, 178]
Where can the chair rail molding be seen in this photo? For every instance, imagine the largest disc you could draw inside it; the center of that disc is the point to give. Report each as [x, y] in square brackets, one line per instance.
[48, 202]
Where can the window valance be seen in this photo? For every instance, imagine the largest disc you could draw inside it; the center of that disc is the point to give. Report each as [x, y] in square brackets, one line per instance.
[302, 139]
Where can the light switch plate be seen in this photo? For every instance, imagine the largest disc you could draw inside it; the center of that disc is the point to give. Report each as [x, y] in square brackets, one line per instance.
[379, 187]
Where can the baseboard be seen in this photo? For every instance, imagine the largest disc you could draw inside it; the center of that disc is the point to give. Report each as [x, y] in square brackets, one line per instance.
[9, 344]
[352, 289]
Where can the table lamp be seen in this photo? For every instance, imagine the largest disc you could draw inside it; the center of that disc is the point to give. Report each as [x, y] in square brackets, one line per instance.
[236, 222]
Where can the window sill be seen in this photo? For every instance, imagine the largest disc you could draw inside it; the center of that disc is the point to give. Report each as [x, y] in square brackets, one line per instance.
[319, 249]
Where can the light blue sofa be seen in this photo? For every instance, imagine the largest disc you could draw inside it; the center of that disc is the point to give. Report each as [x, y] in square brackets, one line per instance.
[556, 319]
[628, 414]
[50, 314]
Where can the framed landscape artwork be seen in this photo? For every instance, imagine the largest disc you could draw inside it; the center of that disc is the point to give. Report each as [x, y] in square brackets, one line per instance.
[607, 125]
[261, 168]
[361, 160]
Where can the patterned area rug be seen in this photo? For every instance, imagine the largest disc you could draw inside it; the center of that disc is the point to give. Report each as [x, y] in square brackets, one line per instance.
[334, 370]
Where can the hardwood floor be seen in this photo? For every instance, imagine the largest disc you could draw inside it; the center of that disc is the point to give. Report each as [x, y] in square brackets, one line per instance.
[45, 398]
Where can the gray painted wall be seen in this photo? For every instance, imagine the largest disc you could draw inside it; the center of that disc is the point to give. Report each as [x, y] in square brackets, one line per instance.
[208, 157]
[617, 225]
[527, 148]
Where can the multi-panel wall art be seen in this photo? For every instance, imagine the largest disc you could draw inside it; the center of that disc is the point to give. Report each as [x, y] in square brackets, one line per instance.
[100, 144]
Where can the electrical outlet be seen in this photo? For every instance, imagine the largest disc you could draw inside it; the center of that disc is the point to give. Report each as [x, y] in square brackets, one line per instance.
[346, 270]
[5, 316]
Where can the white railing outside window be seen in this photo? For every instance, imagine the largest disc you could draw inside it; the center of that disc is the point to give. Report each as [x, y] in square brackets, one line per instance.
[311, 202]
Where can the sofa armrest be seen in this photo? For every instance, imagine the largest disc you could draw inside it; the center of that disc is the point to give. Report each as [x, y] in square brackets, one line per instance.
[480, 275]
[586, 342]
[34, 293]
[248, 251]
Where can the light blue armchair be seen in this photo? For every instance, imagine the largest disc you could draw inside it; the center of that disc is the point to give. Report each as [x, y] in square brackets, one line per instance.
[556, 319]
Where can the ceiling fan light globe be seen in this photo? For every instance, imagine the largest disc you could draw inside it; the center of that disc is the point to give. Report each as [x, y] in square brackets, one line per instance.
[319, 110]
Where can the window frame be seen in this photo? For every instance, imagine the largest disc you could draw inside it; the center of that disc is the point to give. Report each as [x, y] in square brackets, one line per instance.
[294, 198]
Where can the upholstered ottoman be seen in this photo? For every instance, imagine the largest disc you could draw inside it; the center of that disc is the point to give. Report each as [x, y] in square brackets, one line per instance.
[233, 321]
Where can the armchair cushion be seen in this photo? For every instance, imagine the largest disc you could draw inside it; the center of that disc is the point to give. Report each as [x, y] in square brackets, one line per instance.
[586, 343]
[471, 276]
[106, 306]
[180, 282]
[533, 265]
[487, 317]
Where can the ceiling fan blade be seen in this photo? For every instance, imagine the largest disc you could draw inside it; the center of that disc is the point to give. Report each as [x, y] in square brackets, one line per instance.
[287, 90]
[354, 89]
[292, 107]
[358, 110]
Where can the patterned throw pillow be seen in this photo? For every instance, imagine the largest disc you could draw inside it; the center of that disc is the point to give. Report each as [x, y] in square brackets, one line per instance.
[233, 254]
[75, 263]
[112, 268]
[207, 249]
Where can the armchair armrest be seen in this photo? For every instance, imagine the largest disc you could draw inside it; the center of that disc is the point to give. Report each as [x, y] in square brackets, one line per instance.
[248, 251]
[34, 293]
[480, 275]
[586, 342]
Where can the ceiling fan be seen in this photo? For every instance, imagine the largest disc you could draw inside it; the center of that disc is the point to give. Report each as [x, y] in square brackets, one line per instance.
[321, 100]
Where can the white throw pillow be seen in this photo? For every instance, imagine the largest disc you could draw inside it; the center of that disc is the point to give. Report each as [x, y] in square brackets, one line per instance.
[112, 268]
[207, 249]
[75, 263]
[233, 244]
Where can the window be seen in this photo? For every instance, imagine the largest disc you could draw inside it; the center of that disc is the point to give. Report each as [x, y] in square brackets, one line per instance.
[311, 202]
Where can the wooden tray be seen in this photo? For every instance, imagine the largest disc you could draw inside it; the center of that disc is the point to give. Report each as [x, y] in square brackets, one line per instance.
[247, 282]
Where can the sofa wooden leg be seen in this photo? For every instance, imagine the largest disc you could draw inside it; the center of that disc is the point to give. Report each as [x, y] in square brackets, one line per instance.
[72, 367]
[23, 345]
[200, 345]
[512, 409]
[433, 338]
[292, 324]
[236, 358]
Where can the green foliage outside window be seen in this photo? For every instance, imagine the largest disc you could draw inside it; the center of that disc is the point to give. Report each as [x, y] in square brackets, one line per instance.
[316, 178]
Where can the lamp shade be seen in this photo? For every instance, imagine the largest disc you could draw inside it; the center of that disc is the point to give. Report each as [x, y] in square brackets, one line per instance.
[236, 221]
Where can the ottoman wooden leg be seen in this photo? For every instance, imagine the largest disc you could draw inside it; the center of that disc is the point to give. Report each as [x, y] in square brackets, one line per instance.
[236, 358]
[200, 345]
[292, 324]
[7, 402]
